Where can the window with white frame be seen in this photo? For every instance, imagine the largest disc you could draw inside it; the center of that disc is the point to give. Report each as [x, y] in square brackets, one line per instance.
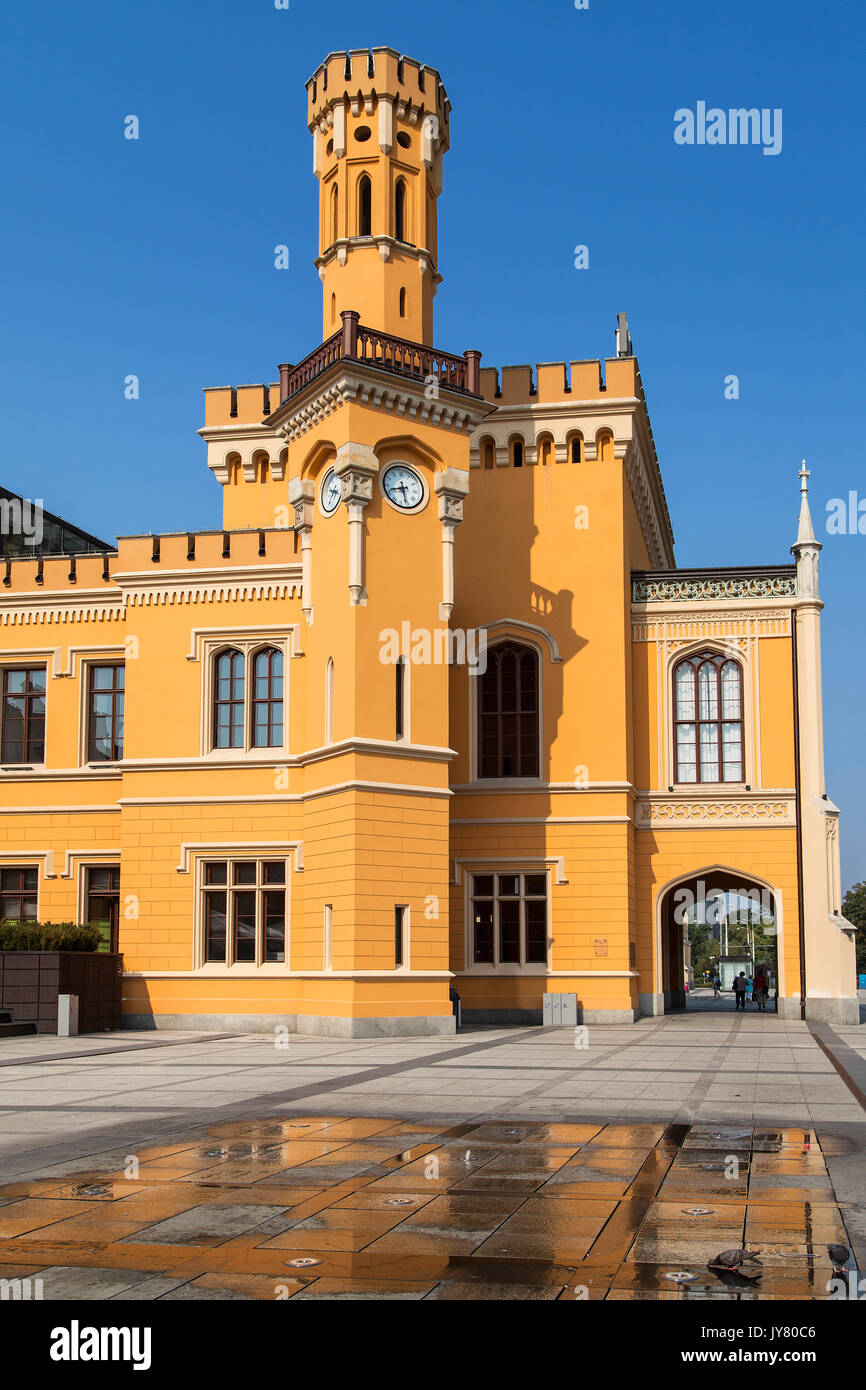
[244, 911]
[508, 919]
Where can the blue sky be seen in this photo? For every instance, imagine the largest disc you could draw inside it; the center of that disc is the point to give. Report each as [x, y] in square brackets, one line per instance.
[156, 258]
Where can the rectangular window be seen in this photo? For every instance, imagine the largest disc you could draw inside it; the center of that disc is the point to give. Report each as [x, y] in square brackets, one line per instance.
[244, 911]
[102, 902]
[18, 895]
[23, 715]
[509, 919]
[400, 917]
[105, 714]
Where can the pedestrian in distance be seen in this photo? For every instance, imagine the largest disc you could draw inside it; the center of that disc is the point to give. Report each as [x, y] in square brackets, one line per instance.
[761, 989]
[741, 984]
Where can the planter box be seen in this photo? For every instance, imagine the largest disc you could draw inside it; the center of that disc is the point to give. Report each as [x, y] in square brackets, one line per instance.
[30, 982]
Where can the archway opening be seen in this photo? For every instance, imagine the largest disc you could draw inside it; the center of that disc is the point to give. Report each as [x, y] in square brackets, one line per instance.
[717, 928]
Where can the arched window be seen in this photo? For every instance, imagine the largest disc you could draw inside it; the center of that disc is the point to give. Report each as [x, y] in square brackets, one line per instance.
[517, 453]
[400, 210]
[228, 700]
[402, 302]
[333, 308]
[508, 733]
[365, 206]
[267, 711]
[604, 441]
[488, 453]
[334, 213]
[545, 450]
[575, 448]
[264, 470]
[708, 719]
[329, 701]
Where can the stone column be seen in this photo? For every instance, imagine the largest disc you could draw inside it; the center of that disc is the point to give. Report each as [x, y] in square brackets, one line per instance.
[356, 467]
[831, 983]
[450, 486]
[302, 495]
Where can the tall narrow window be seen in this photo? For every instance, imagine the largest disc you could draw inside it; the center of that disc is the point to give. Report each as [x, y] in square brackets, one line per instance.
[400, 697]
[228, 707]
[400, 210]
[23, 719]
[402, 302]
[488, 454]
[329, 701]
[365, 206]
[575, 448]
[508, 732]
[334, 213]
[517, 453]
[400, 917]
[18, 895]
[102, 889]
[268, 699]
[105, 716]
[328, 937]
[708, 719]
[545, 451]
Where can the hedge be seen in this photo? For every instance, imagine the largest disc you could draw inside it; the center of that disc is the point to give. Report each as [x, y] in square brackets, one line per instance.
[48, 936]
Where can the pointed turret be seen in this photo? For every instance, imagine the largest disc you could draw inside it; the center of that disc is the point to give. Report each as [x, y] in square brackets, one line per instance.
[806, 548]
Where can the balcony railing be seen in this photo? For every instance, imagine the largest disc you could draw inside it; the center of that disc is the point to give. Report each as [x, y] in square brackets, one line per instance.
[353, 342]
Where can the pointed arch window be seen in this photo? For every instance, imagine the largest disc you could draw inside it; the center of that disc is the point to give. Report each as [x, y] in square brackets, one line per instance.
[267, 703]
[400, 210]
[708, 719]
[508, 713]
[365, 206]
[228, 702]
[247, 704]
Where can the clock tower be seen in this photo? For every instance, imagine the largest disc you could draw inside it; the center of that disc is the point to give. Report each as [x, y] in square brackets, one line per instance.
[376, 426]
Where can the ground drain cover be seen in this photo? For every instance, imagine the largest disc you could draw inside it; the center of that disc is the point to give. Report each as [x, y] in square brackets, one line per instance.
[680, 1276]
[698, 1211]
[303, 1262]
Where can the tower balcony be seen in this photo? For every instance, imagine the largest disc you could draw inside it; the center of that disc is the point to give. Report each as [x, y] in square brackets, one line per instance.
[398, 356]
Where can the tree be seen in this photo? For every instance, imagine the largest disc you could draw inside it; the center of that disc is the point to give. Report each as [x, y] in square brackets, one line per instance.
[854, 908]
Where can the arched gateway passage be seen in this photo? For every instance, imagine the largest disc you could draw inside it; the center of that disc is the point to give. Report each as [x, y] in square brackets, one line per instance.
[712, 926]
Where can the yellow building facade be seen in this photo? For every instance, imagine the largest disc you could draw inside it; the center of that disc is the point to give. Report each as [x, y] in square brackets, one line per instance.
[435, 710]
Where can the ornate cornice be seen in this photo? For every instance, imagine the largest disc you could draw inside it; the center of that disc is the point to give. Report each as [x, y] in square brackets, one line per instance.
[176, 586]
[408, 399]
[77, 606]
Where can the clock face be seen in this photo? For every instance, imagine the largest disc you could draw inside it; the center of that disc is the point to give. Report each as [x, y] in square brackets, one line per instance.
[331, 491]
[403, 487]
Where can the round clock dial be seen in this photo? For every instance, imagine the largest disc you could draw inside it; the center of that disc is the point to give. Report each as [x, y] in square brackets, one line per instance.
[403, 487]
[331, 492]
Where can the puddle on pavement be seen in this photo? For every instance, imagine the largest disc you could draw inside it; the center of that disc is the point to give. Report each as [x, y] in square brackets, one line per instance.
[319, 1206]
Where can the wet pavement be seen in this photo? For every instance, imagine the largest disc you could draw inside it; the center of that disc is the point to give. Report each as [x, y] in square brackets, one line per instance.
[497, 1164]
[363, 1207]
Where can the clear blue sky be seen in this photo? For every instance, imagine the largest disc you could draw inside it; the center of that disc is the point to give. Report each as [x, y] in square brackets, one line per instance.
[156, 257]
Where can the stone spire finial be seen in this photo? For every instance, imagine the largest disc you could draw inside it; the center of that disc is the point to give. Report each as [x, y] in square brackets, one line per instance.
[806, 546]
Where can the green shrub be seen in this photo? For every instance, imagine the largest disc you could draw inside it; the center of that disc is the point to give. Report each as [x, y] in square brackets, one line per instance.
[48, 936]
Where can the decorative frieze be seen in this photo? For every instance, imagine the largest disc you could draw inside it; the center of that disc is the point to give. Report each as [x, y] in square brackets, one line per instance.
[692, 813]
[646, 589]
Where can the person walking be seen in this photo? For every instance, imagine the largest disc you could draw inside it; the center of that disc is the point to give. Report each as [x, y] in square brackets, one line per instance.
[761, 989]
[741, 984]
[717, 985]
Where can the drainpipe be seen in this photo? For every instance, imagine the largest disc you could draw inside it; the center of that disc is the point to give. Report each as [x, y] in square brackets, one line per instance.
[798, 816]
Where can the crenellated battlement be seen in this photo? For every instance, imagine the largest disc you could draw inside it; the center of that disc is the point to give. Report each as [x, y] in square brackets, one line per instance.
[363, 75]
[172, 553]
[588, 380]
[239, 405]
